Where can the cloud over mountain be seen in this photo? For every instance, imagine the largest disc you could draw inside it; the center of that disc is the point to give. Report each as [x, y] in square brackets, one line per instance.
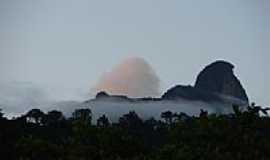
[133, 77]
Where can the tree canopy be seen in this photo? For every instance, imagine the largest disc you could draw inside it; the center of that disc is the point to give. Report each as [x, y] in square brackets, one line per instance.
[244, 134]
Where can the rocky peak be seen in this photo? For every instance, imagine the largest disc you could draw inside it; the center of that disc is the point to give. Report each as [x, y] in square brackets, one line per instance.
[218, 77]
[190, 93]
[102, 94]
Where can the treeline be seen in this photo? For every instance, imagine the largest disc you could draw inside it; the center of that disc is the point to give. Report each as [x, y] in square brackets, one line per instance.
[243, 135]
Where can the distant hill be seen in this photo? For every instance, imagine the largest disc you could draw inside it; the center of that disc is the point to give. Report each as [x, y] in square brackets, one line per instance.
[219, 77]
[216, 90]
[215, 83]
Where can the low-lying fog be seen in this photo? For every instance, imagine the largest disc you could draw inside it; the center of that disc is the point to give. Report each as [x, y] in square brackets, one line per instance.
[133, 77]
[113, 109]
[17, 99]
[151, 109]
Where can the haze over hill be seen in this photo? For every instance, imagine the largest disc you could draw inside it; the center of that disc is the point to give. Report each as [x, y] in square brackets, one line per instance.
[135, 77]
[217, 89]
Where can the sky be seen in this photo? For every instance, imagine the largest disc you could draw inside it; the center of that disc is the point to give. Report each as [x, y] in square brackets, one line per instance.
[65, 46]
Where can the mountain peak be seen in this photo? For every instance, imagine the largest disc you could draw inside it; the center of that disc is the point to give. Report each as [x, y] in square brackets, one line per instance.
[219, 77]
[215, 80]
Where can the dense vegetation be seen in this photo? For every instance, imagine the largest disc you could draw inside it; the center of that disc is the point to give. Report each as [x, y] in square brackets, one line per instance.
[36, 135]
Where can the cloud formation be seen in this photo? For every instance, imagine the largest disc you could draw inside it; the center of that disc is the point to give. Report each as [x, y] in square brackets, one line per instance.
[18, 97]
[133, 77]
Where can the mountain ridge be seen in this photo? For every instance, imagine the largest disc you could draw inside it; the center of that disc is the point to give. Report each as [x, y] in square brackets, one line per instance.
[215, 83]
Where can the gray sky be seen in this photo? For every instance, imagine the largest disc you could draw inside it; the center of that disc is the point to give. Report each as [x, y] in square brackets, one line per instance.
[67, 45]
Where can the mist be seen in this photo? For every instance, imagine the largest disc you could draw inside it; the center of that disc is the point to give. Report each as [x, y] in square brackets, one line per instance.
[147, 110]
[134, 77]
[17, 97]
[114, 109]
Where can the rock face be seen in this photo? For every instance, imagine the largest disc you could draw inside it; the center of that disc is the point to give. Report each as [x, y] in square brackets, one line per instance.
[216, 90]
[215, 82]
[189, 93]
[218, 77]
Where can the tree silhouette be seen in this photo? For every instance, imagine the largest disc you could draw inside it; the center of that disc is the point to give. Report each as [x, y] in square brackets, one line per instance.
[1, 114]
[255, 109]
[180, 117]
[54, 117]
[103, 121]
[82, 115]
[236, 110]
[151, 123]
[203, 114]
[130, 120]
[35, 116]
[244, 134]
[168, 117]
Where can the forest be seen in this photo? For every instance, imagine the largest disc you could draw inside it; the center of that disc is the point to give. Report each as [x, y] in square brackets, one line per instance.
[242, 135]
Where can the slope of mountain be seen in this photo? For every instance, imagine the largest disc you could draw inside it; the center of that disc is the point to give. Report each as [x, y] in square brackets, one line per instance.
[214, 83]
[216, 90]
[218, 77]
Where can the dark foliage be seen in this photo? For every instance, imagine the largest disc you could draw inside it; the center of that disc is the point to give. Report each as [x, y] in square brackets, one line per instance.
[36, 135]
